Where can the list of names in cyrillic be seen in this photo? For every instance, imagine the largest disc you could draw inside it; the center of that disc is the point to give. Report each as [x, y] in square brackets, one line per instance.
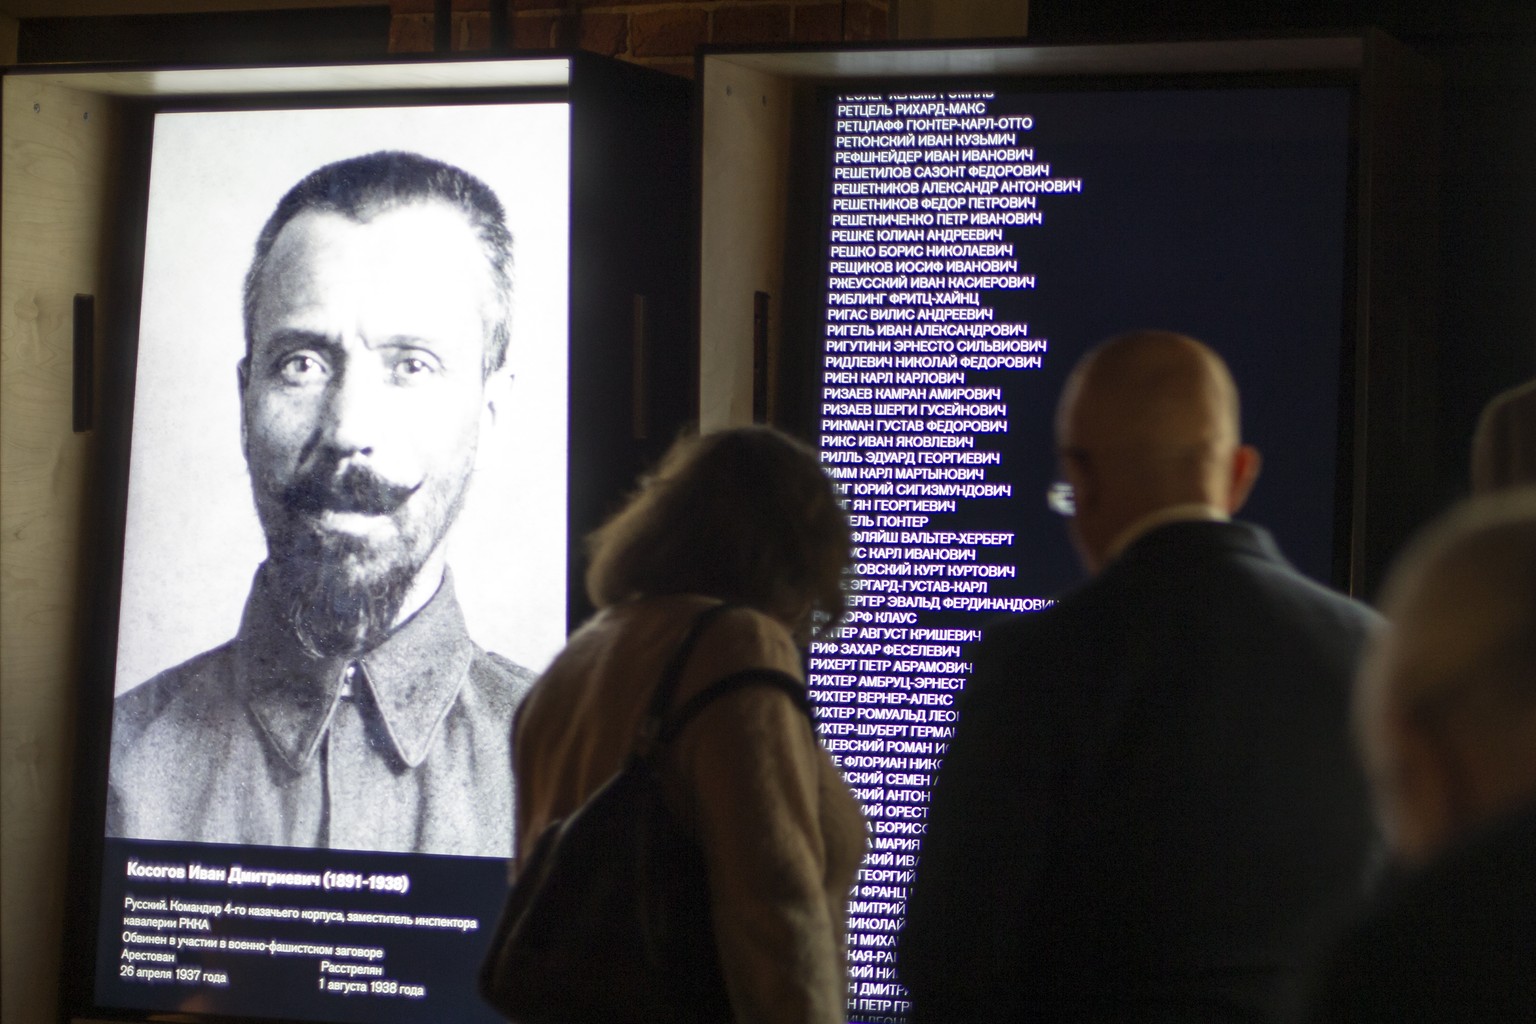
[932, 198]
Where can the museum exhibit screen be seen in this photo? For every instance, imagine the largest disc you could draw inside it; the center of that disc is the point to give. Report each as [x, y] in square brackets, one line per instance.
[240, 876]
[974, 242]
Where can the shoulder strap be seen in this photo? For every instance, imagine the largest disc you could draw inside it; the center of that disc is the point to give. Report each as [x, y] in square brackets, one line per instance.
[742, 680]
[650, 728]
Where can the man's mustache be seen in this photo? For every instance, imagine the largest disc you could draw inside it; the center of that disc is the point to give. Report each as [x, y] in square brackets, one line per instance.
[350, 488]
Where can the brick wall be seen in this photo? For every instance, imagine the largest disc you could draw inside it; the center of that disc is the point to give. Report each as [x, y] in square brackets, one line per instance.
[658, 33]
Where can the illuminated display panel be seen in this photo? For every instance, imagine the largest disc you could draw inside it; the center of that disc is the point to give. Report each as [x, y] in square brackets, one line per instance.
[257, 862]
[975, 242]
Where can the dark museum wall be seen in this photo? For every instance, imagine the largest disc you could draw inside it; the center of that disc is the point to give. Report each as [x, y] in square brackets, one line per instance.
[1486, 292]
[662, 35]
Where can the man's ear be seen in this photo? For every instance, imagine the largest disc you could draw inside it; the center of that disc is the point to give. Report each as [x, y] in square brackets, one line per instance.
[1077, 470]
[1246, 463]
[1084, 526]
[243, 378]
[497, 393]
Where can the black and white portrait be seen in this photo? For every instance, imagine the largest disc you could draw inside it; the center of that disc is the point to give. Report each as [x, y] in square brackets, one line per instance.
[345, 551]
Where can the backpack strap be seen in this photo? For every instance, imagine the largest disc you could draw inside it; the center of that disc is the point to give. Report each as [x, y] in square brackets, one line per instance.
[661, 698]
[741, 680]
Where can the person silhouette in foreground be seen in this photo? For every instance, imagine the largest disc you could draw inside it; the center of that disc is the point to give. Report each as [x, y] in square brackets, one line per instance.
[1150, 809]
[1447, 715]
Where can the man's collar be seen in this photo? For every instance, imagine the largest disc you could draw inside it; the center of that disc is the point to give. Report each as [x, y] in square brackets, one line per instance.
[1195, 512]
[413, 677]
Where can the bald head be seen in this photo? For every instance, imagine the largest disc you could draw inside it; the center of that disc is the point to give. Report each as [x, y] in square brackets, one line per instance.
[1446, 702]
[1147, 421]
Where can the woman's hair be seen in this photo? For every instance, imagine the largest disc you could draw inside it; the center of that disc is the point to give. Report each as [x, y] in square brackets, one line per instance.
[745, 515]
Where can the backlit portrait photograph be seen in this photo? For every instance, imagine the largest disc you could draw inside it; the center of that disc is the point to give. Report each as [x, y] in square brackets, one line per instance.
[344, 552]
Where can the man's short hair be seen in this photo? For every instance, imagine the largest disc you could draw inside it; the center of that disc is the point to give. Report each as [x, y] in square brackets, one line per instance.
[362, 187]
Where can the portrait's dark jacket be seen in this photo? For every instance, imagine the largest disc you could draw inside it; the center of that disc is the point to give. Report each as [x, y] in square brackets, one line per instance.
[404, 748]
[1452, 943]
[1151, 810]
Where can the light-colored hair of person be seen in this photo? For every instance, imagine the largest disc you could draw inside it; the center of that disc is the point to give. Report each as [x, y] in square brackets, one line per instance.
[1467, 587]
[1504, 446]
[745, 515]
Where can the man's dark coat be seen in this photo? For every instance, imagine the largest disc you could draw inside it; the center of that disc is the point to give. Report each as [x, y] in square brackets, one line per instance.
[1151, 809]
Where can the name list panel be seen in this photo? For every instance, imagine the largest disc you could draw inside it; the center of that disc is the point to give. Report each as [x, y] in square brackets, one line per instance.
[976, 243]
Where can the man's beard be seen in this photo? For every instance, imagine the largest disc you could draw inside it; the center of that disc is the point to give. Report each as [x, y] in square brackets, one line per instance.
[340, 593]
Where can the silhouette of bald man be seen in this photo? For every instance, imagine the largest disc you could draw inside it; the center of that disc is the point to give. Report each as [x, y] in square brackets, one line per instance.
[1150, 810]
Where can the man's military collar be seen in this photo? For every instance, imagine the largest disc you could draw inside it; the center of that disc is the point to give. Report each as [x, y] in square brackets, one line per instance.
[413, 677]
